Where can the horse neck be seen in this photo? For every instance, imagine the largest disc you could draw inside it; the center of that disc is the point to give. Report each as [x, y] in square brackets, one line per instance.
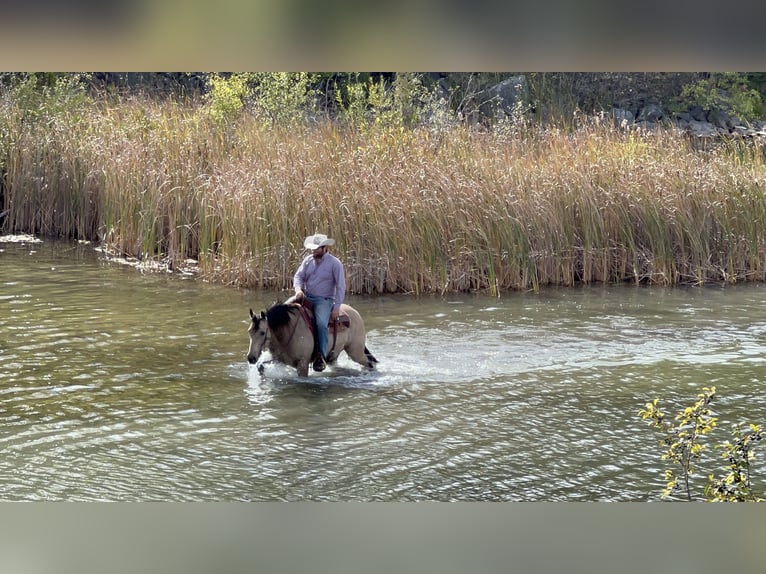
[282, 336]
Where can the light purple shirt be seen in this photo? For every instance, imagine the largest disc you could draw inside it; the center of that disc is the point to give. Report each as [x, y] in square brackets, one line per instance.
[325, 278]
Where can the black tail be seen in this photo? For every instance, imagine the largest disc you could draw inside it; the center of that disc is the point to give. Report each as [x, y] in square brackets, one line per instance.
[371, 360]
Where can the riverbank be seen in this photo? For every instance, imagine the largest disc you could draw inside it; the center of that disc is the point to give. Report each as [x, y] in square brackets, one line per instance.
[443, 207]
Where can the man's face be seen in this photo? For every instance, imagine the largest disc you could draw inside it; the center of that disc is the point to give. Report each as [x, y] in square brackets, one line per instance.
[319, 252]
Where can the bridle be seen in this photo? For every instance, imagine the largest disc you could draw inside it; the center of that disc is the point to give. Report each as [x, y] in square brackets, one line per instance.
[268, 332]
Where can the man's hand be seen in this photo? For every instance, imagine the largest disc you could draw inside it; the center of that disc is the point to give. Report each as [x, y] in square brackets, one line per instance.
[298, 297]
[334, 314]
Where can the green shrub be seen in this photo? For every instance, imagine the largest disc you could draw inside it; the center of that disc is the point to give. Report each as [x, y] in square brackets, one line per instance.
[683, 439]
[44, 97]
[284, 97]
[226, 96]
[684, 448]
[728, 91]
[736, 485]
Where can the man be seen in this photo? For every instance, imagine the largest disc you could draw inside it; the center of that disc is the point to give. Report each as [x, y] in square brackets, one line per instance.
[322, 280]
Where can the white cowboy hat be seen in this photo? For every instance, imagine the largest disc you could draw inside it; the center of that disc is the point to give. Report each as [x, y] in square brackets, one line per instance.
[316, 241]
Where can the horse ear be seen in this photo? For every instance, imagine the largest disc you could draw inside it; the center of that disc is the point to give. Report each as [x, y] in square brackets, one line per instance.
[252, 315]
[263, 314]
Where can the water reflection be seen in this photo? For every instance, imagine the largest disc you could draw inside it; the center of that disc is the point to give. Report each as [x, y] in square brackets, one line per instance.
[122, 386]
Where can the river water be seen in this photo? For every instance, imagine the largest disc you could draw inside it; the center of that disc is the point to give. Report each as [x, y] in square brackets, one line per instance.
[117, 385]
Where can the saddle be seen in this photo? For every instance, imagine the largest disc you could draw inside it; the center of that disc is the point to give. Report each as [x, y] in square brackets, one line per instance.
[307, 308]
[340, 324]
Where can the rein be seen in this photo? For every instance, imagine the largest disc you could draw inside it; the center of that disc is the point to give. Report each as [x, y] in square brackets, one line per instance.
[309, 322]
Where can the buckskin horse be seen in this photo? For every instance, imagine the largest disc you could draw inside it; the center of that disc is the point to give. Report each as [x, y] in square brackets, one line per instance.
[286, 330]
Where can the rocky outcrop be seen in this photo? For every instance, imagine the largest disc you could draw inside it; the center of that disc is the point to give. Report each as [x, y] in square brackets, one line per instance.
[504, 99]
[698, 123]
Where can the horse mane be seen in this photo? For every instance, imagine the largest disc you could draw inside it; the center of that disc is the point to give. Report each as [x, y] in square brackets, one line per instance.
[279, 315]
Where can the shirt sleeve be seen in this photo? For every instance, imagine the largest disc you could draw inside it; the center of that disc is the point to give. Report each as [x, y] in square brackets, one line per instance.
[340, 284]
[299, 279]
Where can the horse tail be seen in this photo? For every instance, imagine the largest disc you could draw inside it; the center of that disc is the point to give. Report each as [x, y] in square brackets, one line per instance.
[371, 360]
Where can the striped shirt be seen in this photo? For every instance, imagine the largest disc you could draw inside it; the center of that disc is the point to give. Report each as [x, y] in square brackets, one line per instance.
[323, 278]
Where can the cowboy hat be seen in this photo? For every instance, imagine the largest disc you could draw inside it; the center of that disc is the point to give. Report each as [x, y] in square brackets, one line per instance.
[317, 240]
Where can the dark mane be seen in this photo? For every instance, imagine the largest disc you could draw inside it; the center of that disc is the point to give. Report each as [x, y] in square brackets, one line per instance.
[279, 315]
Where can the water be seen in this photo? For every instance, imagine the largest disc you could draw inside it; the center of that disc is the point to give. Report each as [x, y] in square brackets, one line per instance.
[122, 386]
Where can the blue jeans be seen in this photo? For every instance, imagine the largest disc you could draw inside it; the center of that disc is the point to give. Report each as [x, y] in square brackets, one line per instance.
[322, 312]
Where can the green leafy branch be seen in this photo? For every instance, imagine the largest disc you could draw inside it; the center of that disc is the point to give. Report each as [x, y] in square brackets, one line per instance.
[725, 90]
[682, 440]
[683, 448]
[736, 485]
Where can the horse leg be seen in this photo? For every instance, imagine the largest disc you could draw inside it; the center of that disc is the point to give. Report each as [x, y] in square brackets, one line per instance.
[303, 368]
[362, 355]
[333, 354]
[262, 365]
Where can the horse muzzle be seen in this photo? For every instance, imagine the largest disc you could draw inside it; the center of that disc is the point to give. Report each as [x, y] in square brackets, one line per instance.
[252, 359]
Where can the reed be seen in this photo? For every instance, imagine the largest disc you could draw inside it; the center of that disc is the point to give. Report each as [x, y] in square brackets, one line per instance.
[419, 210]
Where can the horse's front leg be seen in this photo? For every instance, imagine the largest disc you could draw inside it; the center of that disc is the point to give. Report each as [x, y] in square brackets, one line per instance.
[262, 365]
[303, 368]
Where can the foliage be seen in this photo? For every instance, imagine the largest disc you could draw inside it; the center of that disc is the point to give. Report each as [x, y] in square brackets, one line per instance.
[47, 96]
[352, 102]
[362, 104]
[225, 97]
[406, 103]
[559, 96]
[358, 102]
[683, 447]
[736, 485]
[757, 81]
[410, 96]
[284, 97]
[728, 91]
[553, 96]
[40, 116]
[465, 91]
[682, 439]
[524, 205]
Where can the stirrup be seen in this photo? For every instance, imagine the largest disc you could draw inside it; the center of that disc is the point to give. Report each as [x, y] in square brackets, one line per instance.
[319, 364]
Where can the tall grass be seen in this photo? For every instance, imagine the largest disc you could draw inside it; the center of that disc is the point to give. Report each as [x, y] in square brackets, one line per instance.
[413, 210]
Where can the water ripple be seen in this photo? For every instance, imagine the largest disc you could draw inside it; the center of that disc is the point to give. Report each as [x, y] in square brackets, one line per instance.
[121, 386]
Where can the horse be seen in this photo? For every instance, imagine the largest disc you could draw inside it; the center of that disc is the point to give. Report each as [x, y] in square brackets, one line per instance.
[286, 330]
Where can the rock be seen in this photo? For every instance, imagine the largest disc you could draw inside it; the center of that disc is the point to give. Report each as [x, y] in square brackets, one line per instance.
[504, 96]
[650, 113]
[622, 117]
[698, 114]
[720, 119]
[701, 129]
[646, 125]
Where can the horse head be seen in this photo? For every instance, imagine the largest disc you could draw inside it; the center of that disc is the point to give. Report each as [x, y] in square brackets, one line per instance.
[259, 336]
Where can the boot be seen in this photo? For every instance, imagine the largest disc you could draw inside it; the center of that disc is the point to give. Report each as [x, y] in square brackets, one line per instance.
[319, 363]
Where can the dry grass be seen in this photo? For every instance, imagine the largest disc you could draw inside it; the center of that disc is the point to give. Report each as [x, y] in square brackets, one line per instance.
[423, 210]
